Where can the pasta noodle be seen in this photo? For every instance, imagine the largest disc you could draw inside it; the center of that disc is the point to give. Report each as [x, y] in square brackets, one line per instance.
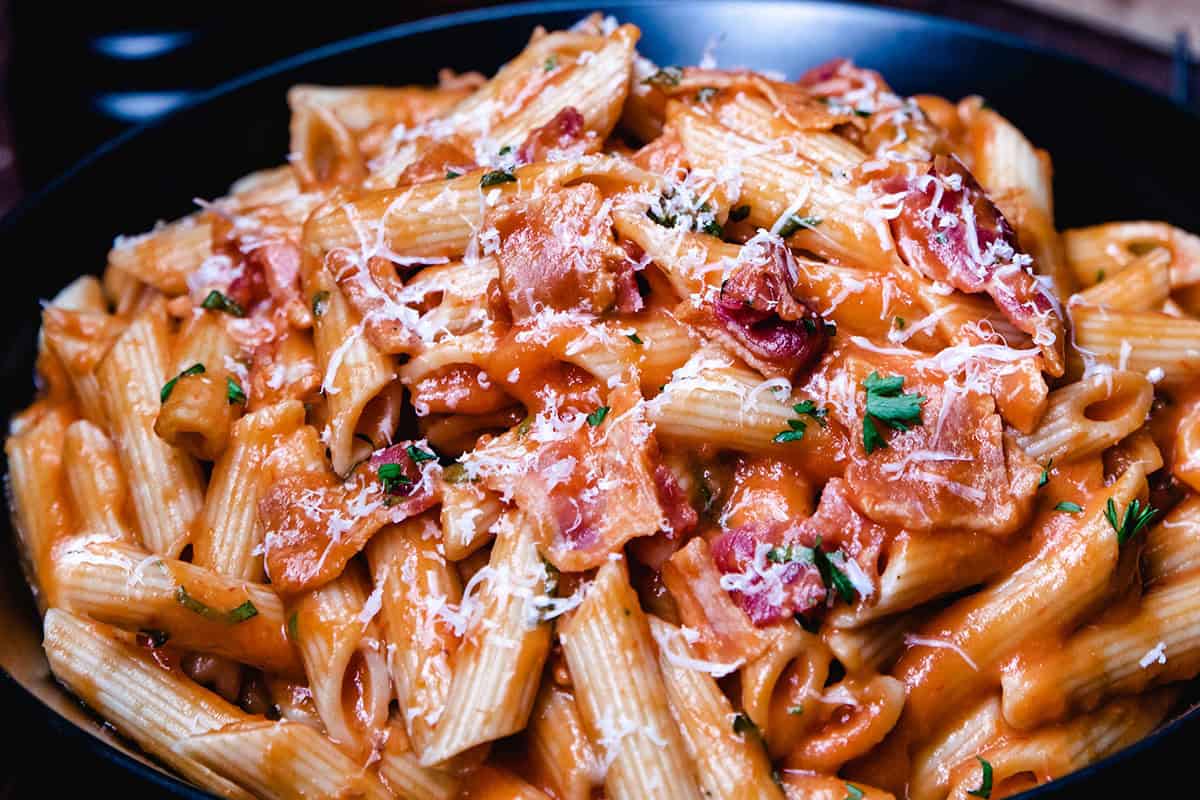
[603, 428]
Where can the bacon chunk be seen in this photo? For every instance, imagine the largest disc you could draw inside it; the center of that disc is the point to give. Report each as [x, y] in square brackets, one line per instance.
[563, 136]
[315, 524]
[950, 231]
[436, 159]
[756, 317]
[957, 469]
[557, 252]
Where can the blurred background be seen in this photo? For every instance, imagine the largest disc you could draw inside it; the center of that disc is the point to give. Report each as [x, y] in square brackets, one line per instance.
[73, 77]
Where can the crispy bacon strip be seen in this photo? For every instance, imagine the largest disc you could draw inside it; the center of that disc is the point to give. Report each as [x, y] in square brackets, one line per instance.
[950, 231]
[315, 524]
[564, 136]
[756, 317]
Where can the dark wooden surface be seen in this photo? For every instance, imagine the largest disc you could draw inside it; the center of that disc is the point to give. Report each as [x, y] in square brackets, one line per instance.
[41, 133]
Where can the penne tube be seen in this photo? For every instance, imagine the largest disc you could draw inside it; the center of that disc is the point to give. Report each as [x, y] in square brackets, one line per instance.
[197, 414]
[498, 665]
[1087, 416]
[1043, 595]
[560, 755]
[1104, 250]
[468, 513]
[41, 508]
[1142, 286]
[339, 643]
[496, 783]
[1139, 341]
[1173, 544]
[95, 483]
[359, 383]
[281, 761]
[924, 566]
[164, 257]
[731, 764]
[621, 694]
[1159, 644]
[152, 706]
[406, 568]
[229, 536]
[401, 772]
[167, 489]
[876, 645]
[200, 610]
[79, 340]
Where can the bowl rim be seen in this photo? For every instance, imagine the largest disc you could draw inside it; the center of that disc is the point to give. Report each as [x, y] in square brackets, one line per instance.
[164, 779]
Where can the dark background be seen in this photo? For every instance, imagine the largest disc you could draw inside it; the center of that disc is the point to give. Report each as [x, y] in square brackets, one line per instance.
[70, 78]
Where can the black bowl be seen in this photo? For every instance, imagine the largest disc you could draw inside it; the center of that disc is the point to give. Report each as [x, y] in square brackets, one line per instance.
[1120, 152]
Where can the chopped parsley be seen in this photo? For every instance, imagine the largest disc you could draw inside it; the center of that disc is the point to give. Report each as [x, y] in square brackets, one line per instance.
[234, 392]
[1044, 478]
[742, 724]
[456, 473]
[796, 710]
[508, 148]
[418, 455]
[899, 323]
[550, 64]
[633, 337]
[713, 228]
[885, 404]
[318, 303]
[985, 783]
[597, 416]
[831, 574]
[739, 213]
[452, 174]
[216, 301]
[706, 93]
[1099, 275]
[853, 792]
[785, 554]
[392, 477]
[293, 626]
[796, 427]
[525, 425]
[667, 76]
[1135, 519]
[496, 177]
[232, 617]
[169, 386]
[795, 223]
[1069, 507]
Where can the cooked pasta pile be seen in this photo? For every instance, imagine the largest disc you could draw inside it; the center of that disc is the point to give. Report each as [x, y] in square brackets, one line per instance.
[604, 429]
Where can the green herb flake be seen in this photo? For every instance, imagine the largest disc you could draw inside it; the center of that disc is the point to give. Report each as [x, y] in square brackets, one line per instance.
[232, 617]
[742, 725]
[452, 174]
[795, 223]
[899, 323]
[798, 426]
[216, 301]
[739, 213]
[1136, 518]
[1044, 478]
[234, 392]
[886, 405]
[633, 337]
[506, 150]
[796, 710]
[392, 477]
[456, 473]
[1069, 507]
[713, 228]
[853, 792]
[418, 455]
[169, 386]
[667, 76]
[550, 64]
[831, 574]
[524, 427]
[1099, 275]
[985, 783]
[293, 626]
[496, 177]
[319, 301]
[596, 417]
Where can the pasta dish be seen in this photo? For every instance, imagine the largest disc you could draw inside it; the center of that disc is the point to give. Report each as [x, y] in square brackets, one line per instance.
[612, 429]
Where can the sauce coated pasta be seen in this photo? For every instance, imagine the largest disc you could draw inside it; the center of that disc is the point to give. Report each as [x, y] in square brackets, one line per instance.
[603, 429]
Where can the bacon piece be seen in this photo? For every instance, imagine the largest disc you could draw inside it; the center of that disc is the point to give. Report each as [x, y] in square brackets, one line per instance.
[436, 159]
[756, 317]
[629, 296]
[957, 469]
[766, 590]
[557, 252]
[564, 136]
[950, 231]
[316, 524]
[791, 102]
[681, 518]
[589, 489]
